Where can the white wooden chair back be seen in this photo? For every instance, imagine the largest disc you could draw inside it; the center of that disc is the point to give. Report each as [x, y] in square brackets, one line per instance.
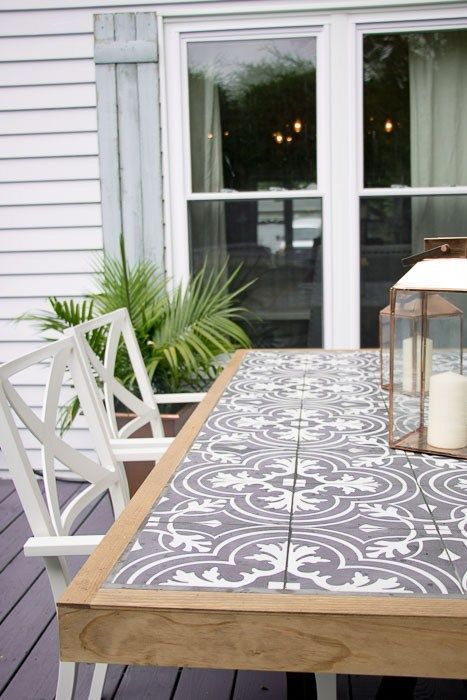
[44, 513]
[144, 407]
[50, 523]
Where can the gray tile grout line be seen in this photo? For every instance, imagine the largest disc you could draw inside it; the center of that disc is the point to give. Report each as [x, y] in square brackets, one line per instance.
[289, 537]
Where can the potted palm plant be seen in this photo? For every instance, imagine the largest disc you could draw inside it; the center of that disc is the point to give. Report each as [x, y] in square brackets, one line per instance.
[183, 334]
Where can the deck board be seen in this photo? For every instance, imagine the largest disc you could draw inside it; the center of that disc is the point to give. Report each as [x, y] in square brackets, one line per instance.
[29, 647]
[18, 573]
[144, 682]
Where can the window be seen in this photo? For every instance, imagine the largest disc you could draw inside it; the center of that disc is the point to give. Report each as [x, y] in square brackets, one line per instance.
[318, 151]
[252, 129]
[414, 138]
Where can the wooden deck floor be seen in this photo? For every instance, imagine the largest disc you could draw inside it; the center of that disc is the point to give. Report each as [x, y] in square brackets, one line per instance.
[28, 637]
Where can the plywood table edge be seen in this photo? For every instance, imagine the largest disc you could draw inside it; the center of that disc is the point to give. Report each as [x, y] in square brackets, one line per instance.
[318, 604]
[402, 645]
[315, 604]
[97, 567]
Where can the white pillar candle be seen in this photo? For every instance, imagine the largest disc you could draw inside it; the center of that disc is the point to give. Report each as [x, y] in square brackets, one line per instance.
[408, 368]
[447, 411]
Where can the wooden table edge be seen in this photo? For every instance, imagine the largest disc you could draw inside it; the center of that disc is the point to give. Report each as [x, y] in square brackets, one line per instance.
[272, 603]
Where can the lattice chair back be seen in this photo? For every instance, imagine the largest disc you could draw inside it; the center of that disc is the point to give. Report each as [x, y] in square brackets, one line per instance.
[45, 515]
[117, 330]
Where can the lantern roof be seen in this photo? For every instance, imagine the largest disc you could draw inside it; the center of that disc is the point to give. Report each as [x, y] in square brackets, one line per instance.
[439, 274]
[436, 306]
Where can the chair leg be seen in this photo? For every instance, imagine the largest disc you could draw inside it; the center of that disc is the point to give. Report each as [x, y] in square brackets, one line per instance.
[98, 680]
[326, 686]
[67, 672]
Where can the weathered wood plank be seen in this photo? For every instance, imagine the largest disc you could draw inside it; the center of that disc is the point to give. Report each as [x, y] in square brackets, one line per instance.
[150, 146]
[147, 682]
[106, 88]
[198, 683]
[128, 143]
[128, 96]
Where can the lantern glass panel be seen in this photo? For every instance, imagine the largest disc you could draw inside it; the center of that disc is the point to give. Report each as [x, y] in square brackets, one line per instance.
[428, 340]
[384, 345]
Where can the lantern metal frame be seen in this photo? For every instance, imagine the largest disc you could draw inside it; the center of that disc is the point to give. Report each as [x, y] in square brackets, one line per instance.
[415, 440]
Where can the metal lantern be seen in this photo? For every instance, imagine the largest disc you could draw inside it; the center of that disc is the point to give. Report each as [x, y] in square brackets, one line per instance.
[409, 317]
[427, 387]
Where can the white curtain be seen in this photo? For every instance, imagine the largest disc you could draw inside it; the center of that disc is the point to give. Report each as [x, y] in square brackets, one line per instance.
[207, 219]
[438, 138]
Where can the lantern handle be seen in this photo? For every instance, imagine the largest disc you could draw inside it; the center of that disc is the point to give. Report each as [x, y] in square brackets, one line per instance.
[432, 253]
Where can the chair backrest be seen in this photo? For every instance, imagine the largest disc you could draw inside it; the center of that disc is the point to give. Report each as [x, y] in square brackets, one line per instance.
[117, 330]
[17, 419]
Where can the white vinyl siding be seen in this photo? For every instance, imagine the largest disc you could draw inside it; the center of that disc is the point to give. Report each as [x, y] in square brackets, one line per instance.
[50, 216]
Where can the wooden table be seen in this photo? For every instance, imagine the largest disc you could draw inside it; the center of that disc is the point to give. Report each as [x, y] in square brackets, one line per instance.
[279, 532]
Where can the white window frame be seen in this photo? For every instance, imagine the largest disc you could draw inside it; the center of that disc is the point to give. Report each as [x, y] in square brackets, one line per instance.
[340, 147]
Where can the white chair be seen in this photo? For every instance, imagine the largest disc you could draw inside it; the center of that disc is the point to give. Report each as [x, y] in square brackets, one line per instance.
[146, 408]
[49, 524]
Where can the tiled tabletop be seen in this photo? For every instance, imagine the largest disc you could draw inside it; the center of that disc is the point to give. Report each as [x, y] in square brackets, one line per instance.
[290, 486]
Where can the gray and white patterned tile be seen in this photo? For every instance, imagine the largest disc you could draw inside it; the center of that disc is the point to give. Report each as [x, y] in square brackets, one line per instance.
[215, 556]
[329, 492]
[443, 482]
[296, 440]
[387, 562]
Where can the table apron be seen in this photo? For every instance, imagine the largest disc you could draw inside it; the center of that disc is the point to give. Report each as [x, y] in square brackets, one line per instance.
[326, 643]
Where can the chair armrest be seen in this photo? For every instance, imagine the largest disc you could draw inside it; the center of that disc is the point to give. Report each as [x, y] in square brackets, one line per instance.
[136, 449]
[189, 397]
[61, 546]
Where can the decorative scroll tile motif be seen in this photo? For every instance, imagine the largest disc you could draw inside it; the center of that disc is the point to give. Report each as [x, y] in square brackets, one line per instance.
[290, 486]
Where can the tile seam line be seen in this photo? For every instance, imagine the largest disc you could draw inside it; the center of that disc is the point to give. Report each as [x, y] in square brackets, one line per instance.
[289, 535]
[443, 543]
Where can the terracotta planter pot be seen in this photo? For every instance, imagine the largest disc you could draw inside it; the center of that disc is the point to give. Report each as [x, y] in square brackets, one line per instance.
[136, 472]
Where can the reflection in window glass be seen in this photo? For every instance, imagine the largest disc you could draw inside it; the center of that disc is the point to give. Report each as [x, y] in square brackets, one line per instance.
[252, 114]
[278, 243]
[415, 102]
[391, 229]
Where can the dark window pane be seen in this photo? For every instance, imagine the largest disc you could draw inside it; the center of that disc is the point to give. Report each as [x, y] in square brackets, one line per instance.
[278, 243]
[252, 114]
[392, 228]
[415, 102]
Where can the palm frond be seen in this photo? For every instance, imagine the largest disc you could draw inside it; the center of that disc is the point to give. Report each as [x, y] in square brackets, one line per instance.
[181, 334]
[200, 323]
